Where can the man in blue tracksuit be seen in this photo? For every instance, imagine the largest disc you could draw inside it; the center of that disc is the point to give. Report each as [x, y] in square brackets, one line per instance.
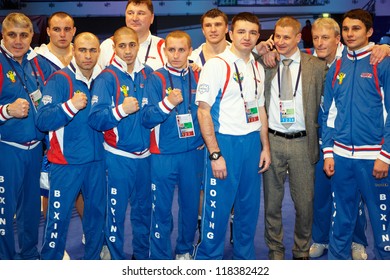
[76, 152]
[117, 95]
[176, 147]
[22, 75]
[356, 138]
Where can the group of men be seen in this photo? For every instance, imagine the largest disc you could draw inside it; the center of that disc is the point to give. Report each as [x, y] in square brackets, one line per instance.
[131, 119]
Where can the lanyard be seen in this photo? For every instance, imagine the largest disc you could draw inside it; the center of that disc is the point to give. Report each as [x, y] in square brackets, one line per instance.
[239, 80]
[296, 84]
[147, 51]
[16, 72]
[202, 58]
[189, 85]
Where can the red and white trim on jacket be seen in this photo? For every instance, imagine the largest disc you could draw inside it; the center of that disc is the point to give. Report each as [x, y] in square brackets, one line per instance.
[3, 113]
[26, 146]
[69, 109]
[370, 152]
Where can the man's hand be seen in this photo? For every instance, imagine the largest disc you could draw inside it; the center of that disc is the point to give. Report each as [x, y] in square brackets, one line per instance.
[19, 109]
[265, 161]
[379, 52]
[175, 97]
[270, 59]
[79, 100]
[219, 168]
[265, 46]
[381, 169]
[130, 105]
[195, 67]
[329, 166]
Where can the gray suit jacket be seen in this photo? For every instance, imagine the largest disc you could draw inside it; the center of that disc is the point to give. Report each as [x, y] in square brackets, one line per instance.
[312, 79]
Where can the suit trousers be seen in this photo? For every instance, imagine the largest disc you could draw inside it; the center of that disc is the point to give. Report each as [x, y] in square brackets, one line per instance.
[289, 157]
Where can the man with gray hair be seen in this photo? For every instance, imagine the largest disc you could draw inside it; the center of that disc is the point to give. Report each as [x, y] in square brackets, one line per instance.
[22, 76]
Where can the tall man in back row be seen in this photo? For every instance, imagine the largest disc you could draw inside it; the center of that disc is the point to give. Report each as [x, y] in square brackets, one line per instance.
[139, 15]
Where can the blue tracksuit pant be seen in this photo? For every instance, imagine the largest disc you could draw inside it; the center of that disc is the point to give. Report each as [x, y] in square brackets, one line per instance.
[20, 195]
[352, 180]
[322, 212]
[241, 188]
[128, 179]
[185, 171]
[66, 181]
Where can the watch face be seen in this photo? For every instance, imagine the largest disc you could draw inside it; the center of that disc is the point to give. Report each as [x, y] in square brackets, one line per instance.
[215, 155]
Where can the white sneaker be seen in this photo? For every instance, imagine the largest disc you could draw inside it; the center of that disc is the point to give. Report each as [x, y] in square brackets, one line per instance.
[358, 251]
[66, 256]
[183, 257]
[317, 250]
[105, 253]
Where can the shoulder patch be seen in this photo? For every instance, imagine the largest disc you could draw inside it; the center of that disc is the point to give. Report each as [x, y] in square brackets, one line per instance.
[203, 88]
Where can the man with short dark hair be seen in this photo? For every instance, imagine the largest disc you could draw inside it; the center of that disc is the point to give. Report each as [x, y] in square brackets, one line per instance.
[139, 15]
[234, 127]
[356, 137]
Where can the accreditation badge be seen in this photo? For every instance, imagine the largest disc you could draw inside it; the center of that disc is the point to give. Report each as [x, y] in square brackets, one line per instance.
[252, 111]
[185, 125]
[36, 97]
[287, 111]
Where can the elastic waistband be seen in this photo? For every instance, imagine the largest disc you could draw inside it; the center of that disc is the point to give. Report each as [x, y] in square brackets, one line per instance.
[25, 146]
[144, 154]
[298, 134]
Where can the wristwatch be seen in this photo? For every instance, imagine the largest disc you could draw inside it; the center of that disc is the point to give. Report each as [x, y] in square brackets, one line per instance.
[215, 155]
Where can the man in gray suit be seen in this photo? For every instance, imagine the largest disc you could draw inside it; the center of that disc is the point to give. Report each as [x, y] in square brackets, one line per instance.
[293, 91]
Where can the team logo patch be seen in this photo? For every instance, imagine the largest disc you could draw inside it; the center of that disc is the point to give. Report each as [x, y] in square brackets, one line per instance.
[366, 75]
[94, 99]
[203, 88]
[46, 99]
[340, 77]
[11, 76]
[239, 76]
[125, 90]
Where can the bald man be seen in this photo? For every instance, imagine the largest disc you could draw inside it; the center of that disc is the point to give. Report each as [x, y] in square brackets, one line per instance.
[76, 151]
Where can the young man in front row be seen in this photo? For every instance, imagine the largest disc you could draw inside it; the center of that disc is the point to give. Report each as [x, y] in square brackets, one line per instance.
[176, 147]
[356, 138]
[117, 98]
[233, 123]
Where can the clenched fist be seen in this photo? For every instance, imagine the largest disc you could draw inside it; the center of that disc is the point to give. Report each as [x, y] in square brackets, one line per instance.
[175, 97]
[130, 105]
[19, 109]
[79, 100]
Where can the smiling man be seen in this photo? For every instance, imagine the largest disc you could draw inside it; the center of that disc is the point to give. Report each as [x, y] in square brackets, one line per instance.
[292, 105]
